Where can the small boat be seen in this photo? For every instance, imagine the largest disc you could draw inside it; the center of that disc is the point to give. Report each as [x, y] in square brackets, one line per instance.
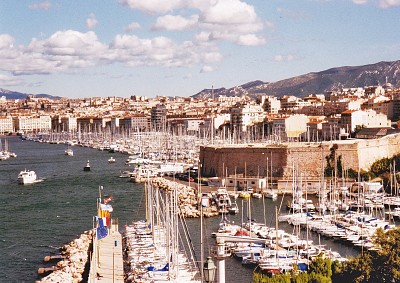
[111, 160]
[223, 200]
[271, 194]
[206, 199]
[256, 195]
[87, 167]
[233, 209]
[69, 152]
[126, 174]
[244, 194]
[28, 177]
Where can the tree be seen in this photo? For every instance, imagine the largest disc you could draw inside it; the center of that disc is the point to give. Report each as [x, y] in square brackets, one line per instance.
[387, 258]
[382, 265]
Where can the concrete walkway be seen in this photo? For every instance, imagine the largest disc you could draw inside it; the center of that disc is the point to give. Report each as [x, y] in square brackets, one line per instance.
[107, 263]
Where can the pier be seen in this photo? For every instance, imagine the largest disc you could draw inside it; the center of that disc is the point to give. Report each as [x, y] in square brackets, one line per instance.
[107, 263]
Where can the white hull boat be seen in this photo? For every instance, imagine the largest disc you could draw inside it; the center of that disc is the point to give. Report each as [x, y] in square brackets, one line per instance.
[28, 177]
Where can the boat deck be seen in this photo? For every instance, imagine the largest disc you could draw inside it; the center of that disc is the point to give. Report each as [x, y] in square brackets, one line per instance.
[107, 261]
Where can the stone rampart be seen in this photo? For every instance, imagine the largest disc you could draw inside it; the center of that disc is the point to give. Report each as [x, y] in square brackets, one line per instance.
[307, 159]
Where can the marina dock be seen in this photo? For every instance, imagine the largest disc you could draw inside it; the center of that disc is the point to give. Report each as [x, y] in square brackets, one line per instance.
[107, 262]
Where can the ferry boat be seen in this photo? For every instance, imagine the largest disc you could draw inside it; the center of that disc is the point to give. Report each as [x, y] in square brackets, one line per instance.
[28, 177]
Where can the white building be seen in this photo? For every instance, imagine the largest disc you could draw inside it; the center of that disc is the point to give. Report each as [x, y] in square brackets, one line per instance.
[246, 115]
[290, 126]
[6, 124]
[68, 123]
[271, 104]
[32, 124]
[138, 122]
[351, 119]
[193, 124]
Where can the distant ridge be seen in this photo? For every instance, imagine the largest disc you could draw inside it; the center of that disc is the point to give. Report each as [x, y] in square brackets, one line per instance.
[317, 82]
[9, 94]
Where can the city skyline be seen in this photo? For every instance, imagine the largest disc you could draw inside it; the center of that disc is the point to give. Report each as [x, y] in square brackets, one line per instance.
[79, 49]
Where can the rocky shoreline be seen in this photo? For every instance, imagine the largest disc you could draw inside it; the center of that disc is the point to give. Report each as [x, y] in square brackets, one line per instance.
[188, 198]
[72, 266]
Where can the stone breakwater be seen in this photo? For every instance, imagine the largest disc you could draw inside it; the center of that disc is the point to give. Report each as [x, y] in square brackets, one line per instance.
[188, 198]
[73, 266]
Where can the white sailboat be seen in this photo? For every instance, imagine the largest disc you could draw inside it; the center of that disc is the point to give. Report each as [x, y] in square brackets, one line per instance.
[154, 252]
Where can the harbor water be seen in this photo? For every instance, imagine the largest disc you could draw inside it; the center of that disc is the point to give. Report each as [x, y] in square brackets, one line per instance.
[37, 219]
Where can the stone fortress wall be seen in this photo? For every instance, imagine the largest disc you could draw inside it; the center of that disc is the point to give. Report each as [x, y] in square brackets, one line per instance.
[308, 159]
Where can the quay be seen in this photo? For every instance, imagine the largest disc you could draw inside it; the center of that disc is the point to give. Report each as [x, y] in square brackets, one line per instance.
[107, 262]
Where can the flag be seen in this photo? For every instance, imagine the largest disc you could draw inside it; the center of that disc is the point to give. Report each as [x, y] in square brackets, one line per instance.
[101, 229]
[102, 232]
[107, 199]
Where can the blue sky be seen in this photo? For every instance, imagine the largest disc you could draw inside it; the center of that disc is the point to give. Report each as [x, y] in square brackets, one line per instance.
[93, 48]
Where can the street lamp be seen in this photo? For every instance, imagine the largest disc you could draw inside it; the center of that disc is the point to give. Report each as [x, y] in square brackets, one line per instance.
[209, 269]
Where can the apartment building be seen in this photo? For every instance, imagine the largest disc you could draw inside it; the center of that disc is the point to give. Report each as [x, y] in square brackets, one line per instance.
[6, 124]
[244, 116]
[138, 122]
[290, 127]
[32, 123]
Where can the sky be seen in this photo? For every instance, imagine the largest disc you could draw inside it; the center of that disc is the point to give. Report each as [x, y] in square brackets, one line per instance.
[91, 48]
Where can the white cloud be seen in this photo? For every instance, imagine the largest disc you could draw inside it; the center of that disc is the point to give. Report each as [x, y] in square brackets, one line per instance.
[384, 4]
[46, 5]
[154, 6]
[159, 51]
[132, 26]
[6, 41]
[229, 20]
[389, 3]
[9, 80]
[250, 40]
[170, 22]
[206, 69]
[69, 51]
[228, 12]
[64, 51]
[91, 21]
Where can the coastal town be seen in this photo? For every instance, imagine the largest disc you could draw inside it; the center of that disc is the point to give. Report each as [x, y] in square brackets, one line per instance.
[236, 148]
[350, 112]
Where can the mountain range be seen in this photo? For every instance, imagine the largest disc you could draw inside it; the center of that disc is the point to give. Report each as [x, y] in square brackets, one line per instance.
[316, 82]
[9, 94]
[300, 86]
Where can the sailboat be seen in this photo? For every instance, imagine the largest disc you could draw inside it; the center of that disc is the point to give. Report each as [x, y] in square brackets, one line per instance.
[154, 250]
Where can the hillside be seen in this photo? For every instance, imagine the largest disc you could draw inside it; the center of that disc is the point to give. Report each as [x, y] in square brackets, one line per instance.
[317, 82]
[9, 94]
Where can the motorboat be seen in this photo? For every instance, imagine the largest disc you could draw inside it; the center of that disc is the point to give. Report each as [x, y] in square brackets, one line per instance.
[28, 177]
[271, 194]
[69, 152]
[223, 200]
[87, 167]
[233, 209]
[111, 160]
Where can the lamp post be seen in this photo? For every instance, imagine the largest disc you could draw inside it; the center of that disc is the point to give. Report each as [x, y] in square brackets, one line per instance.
[209, 269]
